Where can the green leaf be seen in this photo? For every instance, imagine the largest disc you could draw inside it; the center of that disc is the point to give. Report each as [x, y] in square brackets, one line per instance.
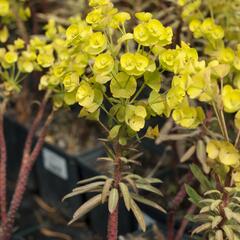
[106, 189]
[188, 154]
[198, 174]
[131, 183]
[83, 189]
[194, 196]
[157, 102]
[153, 80]
[149, 188]
[123, 85]
[201, 228]
[148, 202]
[114, 132]
[86, 207]
[214, 191]
[215, 204]
[202, 156]
[126, 195]
[101, 177]
[236, 216]
[138, 215]
[219, 235]
[216, 221]
[113, 200]
[229, 232]
[221, 70]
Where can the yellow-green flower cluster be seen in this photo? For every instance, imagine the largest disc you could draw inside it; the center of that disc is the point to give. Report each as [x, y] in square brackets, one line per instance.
[151, 31]
[7, 15]
[207, 29]
[223, 152]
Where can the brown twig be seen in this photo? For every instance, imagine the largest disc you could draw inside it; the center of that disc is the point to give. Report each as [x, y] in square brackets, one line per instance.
[113, 217]
[175, 204]
[35, 125]
[3, 165]
[184, 223]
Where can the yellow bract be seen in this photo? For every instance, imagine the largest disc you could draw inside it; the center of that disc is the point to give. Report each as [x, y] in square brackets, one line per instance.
[188, 117]
[71, 81]
[5, 7]
[134, 63]
[135, 117]
[152, 32]
[96, 44]
[103, 64]
[223, 152]
[231, 99]
[85, 94]
[11, 57]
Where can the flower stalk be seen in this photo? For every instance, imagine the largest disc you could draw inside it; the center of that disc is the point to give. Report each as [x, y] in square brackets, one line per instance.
[113, 217]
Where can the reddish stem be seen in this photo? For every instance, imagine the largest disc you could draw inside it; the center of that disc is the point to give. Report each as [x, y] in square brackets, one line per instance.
[175, 204]
[26, 167]
[37, 120]
[28, 160]
[184, 223]
[3, 166]
[113, 217]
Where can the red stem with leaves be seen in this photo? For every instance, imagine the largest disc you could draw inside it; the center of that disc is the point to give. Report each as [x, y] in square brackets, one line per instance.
[113, 217]
[29, 157]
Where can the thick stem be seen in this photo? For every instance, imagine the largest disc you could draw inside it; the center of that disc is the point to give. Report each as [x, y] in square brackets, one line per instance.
[113, 217]
[3, 166]
[26, 167]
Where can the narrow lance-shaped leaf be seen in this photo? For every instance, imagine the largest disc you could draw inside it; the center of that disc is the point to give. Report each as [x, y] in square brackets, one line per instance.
[216, 221]
[201, 228]
[86, 207]
[83, 189]
[126, 195]
[106, 189]
[202, 156]
[219, 235]
[198, 174]
[138, 215]
[148, 202]
[102, 177]
[149, 188]
[188, 154]
[132, 184]
[194, 196]
[229, 232]
[113, 200]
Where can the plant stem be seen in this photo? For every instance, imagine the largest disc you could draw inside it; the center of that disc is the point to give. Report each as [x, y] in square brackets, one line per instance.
[184, 223]
[28, 160]
[113, 217]
[3, 165]
[176, 203]
[35, 125]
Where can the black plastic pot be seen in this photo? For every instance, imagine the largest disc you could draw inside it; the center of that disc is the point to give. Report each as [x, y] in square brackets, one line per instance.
[57, 175]
[15, 136]
[98, 218]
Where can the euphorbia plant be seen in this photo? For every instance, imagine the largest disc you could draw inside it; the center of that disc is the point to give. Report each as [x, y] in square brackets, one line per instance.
[18, 60]
[216, 87]
[105, 69]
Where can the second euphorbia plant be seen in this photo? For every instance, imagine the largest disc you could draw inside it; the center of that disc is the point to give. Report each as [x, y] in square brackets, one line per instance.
[18, 60]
